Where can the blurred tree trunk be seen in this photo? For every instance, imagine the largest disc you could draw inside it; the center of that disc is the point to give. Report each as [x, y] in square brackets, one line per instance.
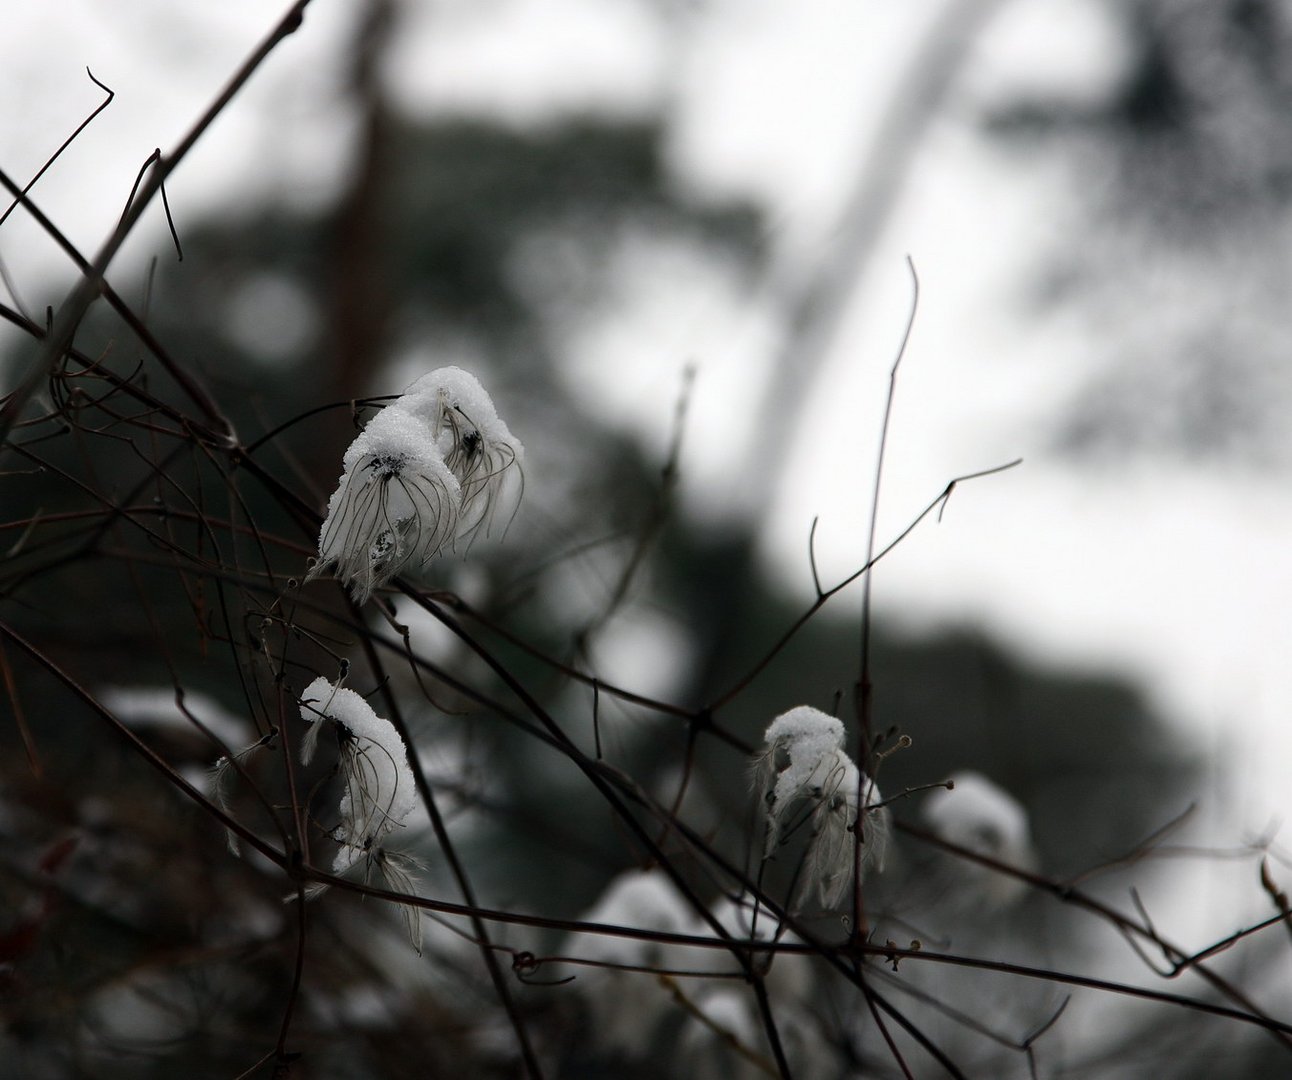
[359, 292]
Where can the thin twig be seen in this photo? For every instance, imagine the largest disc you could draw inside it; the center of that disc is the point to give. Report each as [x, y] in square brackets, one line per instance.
[92, 282]
[865, 691]
[66, 143]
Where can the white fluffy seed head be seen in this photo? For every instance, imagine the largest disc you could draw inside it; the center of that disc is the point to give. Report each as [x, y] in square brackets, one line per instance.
[434, 468]
[804, 763]
[484, 456]
[397, 504]
[802, 757]
[379, 793]
[627, 1007]
[981, 816]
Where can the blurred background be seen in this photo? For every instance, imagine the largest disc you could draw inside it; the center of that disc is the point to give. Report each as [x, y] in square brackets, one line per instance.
[671, 238]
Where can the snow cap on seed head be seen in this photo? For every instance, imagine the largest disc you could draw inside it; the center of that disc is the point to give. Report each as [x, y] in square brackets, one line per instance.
[482, 453]
[379, 794]
[804, 762]
[397, 503]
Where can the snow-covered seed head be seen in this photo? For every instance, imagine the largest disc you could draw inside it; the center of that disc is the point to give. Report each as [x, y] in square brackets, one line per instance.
[628, 1006]
[803, 758]
[978, 815]
[379, 794]
[804, 764]
[484, 456]
[397, 504]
